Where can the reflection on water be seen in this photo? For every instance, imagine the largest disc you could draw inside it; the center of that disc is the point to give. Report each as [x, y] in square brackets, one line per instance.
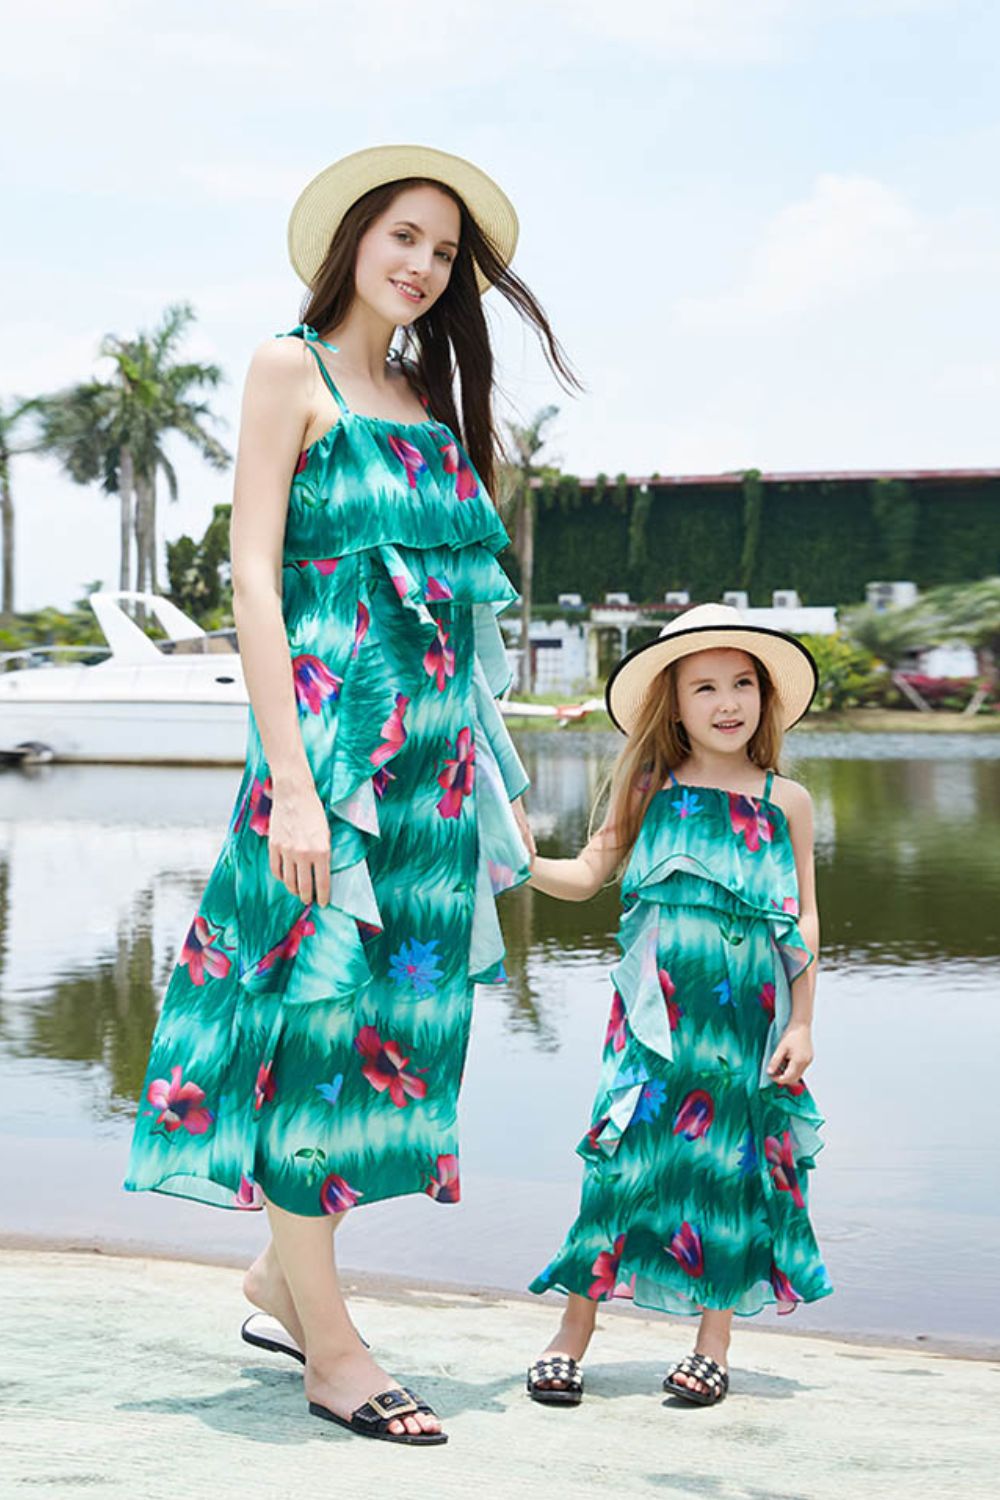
[101, 868]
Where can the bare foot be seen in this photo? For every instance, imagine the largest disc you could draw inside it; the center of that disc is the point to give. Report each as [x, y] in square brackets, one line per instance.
[713, 1342]
[346, 1379]
[573, 1337]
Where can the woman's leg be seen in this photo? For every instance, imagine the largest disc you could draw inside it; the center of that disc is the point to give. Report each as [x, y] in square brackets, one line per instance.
[340, 1372]
[572, 1336]
[713, 1341]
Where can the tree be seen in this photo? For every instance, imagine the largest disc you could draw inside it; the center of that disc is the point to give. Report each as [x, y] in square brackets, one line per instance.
[12, 415]
[114, 431]
[971, 612]
[527, 442]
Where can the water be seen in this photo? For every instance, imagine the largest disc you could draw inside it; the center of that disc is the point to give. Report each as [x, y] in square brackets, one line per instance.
[101, 869]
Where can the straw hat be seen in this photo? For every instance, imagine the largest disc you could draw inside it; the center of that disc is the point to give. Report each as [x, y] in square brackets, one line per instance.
[322, 204]
[710, 627]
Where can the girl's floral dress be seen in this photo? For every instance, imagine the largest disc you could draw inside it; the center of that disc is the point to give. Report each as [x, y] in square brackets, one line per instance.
[315, 1054]
[696, 1168]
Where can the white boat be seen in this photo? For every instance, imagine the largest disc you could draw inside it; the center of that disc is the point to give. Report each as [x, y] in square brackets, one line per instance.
[177, 701]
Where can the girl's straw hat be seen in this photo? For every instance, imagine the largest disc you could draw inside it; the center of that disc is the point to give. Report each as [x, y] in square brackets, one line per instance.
[713, 627]
[321, 205]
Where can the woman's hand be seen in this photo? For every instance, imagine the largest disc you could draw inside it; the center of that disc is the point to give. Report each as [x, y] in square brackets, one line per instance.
[792, 1055]
[523, 826]
[299, 843]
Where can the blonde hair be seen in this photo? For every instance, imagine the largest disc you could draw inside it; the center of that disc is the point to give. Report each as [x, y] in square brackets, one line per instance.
[659, 743]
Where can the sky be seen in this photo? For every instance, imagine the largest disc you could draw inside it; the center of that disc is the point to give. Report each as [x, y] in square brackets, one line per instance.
[766, 231]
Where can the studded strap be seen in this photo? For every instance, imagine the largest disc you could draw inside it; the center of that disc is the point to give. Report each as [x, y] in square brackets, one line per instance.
[700, 1367]
[556, 1367]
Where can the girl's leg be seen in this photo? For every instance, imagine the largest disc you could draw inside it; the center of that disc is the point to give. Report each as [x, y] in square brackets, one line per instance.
[573, 1335]
[340, 1372]
[265, 1286]
[712, 1341]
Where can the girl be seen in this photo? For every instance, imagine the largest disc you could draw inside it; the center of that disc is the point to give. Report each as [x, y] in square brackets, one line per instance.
[311, 1045]
[703, 1132]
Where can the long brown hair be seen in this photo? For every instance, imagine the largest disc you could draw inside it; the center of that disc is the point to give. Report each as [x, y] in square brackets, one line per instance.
[659, 743]
[452, 337]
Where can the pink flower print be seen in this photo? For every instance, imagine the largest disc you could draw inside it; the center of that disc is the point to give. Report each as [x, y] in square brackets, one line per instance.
[324, 565]
[200, 954]
[795, 1089]
[686, 1249]
[180, 1104]
[766, 998]
[783, 1171]
[674, 1011]
[595, 1132]
[303, 460]
[788, 904]
[444, 1185]
[605, 1270]
[458, 776]
[361, 625]
[449, 453]
[695, 1115]
[393, 733]
[290, 943]
[261, 800]
[466, 487]
[439, 662]
[336, 1196]
[400, 584]
[245, 1195]
[785, 1294]
[315, 684]
[263, 1089]
[380, 781]
[411, 458]
[385, 1068]
[617, 1024]
[748, 819]
[437, 590]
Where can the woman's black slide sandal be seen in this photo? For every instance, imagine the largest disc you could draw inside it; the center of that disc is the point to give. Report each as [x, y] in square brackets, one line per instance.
[371, 1420]
[267, 1333]
[556, 1367]
[698, 1367]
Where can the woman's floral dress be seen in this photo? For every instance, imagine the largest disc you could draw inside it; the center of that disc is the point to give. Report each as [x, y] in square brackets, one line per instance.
[315, 1054]
[695, 1184]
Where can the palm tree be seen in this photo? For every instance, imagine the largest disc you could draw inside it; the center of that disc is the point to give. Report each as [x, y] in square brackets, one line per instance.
[12, 415]
[114, 431]
[527, 442]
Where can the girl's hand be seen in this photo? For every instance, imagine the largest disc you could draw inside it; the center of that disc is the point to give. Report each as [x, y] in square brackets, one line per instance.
[523, 826]
[299, 844]
[792, 1055]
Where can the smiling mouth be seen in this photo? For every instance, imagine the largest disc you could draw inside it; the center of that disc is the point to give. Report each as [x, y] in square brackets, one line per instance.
[729, 724]
[408, 290]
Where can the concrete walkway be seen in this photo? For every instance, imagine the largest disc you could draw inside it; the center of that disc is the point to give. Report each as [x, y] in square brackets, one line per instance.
[126, 1378]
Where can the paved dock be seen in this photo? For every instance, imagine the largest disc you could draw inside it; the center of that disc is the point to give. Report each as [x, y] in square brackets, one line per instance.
[126, 1378]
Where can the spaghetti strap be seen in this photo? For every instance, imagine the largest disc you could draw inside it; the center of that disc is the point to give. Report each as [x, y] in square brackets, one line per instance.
[769, 781]
[311, 338]
[673, 779]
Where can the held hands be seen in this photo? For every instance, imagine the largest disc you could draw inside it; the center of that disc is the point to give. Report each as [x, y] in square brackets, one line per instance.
[792, 1055]
[299, 844]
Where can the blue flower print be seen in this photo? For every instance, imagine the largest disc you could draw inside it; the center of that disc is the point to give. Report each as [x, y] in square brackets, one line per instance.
[748, 1155]
[331, 1091]
[651, 1101]
[416, 964]
[724, 992]
[688, 805]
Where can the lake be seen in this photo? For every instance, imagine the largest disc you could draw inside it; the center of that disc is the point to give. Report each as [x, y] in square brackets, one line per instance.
[101, 869]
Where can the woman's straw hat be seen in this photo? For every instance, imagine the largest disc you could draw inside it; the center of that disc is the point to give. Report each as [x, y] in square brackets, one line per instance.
[709, 627]
[321, 205]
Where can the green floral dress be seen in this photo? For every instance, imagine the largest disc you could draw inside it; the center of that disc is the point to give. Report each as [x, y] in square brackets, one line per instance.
[695, 1183]
[315, 1054]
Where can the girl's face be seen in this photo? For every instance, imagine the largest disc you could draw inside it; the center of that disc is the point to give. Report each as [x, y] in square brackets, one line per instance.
[405, 257]
[718, 697]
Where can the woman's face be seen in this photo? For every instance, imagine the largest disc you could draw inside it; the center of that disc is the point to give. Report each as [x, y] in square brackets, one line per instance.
[405, 257]
[718, 697]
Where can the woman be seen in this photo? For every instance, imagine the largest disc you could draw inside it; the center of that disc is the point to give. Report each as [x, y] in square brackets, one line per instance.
[311, 1045]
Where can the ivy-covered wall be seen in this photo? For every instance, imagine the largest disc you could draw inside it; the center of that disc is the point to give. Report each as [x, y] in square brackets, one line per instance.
[826, 539]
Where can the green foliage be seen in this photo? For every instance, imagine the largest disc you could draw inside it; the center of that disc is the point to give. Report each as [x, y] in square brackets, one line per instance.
[896, 513]
[892, 634]
[847, 672]
[753, 509]
[199, 573]
[53, 627]
[642, 503]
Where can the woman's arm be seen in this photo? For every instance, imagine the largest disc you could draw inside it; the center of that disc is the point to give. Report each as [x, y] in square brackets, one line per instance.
[794, 1052]
[580, 878]
[274, 419]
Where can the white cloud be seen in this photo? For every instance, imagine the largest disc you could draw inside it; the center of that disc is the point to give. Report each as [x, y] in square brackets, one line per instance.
[848, 236]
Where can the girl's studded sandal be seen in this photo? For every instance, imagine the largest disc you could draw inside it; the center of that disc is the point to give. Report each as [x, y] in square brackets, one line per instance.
[698, 1367]
[556, 1367]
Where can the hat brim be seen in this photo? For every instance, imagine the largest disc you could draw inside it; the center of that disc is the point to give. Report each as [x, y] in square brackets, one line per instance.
[323, 202]
[789, 664]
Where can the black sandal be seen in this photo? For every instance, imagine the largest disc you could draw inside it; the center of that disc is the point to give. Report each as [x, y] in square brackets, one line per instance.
[265, 1332]
[556, 1367]
[371, 1420]
[698, 1367]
